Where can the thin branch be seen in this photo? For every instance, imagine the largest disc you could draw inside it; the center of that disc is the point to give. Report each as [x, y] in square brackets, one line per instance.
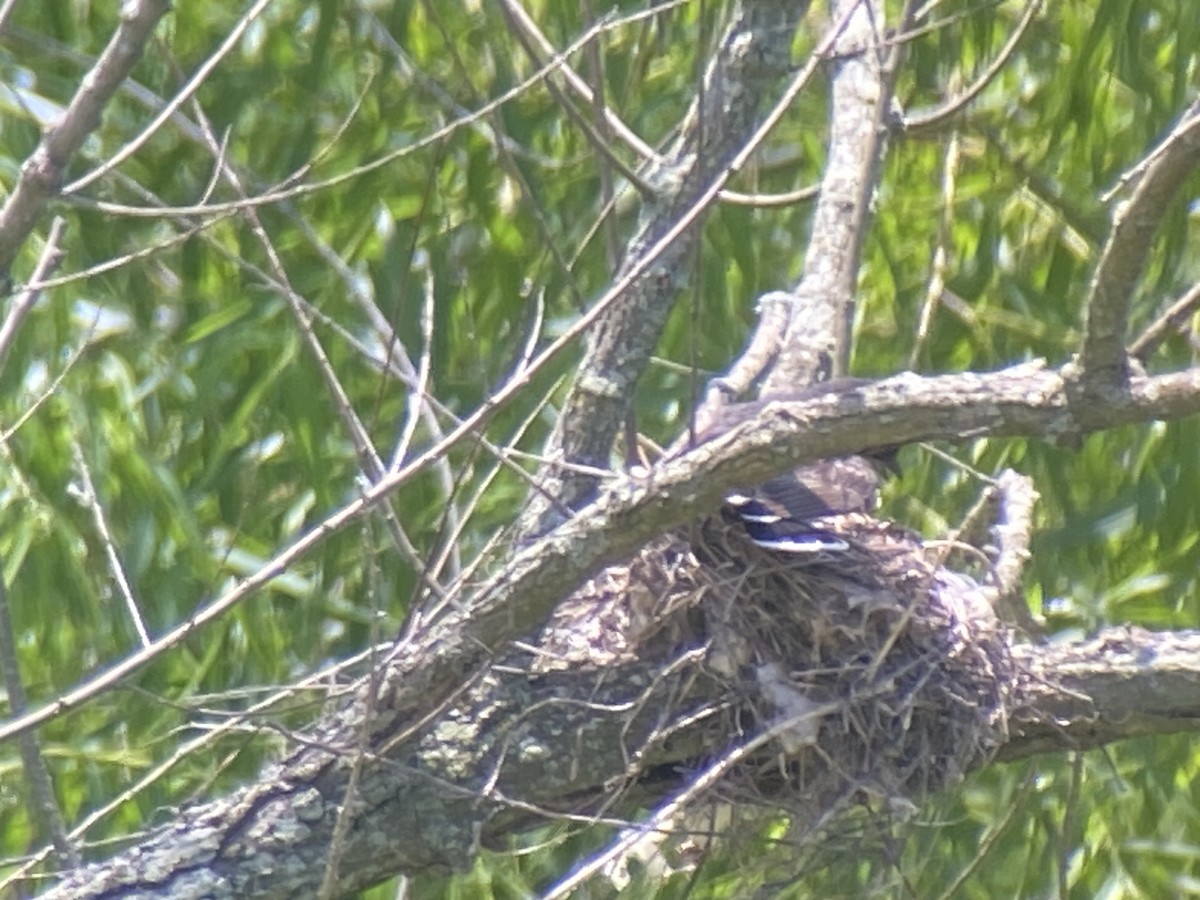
[933, 119]
[89, 498]
[23, 305]
[1162, 327]
[42, 173]
[770, 201]
[539, 48]
[937, 269]
[1102, 359]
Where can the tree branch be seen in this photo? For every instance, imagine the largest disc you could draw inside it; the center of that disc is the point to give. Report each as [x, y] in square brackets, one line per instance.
[817, 345]
[1123, 683]
[1024, 400]
[752, 59]
[42, 174]
[1104, 364]
[523, 750]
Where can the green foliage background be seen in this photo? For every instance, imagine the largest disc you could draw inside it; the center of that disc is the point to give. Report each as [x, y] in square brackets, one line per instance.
[181, 376]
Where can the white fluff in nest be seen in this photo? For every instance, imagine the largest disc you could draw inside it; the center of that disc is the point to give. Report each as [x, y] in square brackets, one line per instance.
[798, 721]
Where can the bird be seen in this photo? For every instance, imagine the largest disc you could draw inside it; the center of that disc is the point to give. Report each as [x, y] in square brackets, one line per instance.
[787, 513]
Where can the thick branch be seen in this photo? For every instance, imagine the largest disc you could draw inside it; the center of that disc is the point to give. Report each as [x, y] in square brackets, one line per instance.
[557, 743]
[817, 345]
[1124, 683]
[1022, 401]
[1025, 400]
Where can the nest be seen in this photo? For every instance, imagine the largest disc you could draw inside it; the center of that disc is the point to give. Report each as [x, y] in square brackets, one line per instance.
[870, 674]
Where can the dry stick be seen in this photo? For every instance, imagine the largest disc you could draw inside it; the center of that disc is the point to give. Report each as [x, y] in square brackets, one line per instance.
[42, 172]
[455, 531]
[91, 500]
[937, 268]
[1103, 364]
[608, 193]
[424, 373]
[1159, 330]
[23, 305]
[1013, 529]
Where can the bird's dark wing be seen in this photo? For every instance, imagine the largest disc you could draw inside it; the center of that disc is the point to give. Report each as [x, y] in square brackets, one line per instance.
[842, 485]
[778, 514]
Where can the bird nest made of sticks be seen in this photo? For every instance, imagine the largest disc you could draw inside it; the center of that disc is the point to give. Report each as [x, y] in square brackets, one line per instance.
[869, 673]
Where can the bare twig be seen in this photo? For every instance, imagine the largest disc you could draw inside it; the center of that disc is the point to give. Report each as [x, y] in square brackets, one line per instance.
[1162, 327]
[1016, 498]
[754, 361]
[91, 500]
[28, 298]
[934, 118]
[539, 48]
[937, 269]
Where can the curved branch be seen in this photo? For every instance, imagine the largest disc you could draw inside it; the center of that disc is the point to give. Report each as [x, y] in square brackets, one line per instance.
[1024, 400]
[1102, 359]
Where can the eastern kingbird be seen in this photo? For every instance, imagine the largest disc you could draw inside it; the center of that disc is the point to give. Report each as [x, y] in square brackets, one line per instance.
[785, 513]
